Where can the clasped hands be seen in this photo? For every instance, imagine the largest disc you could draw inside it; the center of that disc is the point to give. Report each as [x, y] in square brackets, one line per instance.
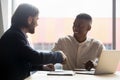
[50, 67]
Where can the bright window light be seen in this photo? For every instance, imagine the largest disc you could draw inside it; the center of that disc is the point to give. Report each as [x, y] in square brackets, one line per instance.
[70, 8]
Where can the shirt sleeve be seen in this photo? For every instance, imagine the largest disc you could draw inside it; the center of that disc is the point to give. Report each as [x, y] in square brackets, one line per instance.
[35, 58]
[58, 45]
[98, 51]
[100, 48]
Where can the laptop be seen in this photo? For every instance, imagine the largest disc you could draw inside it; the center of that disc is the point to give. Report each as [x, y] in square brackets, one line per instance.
[107, 63]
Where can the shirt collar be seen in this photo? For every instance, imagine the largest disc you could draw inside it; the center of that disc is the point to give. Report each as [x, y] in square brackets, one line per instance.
[81, 42]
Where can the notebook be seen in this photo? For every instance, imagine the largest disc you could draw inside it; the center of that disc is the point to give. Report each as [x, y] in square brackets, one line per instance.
[62, 73]
[107, 64]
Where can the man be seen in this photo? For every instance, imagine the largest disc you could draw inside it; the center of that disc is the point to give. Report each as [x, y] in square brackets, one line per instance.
[81, 51]
[17, 58]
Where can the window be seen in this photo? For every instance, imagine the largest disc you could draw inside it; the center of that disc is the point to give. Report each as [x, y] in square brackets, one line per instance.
[57, 16]
[118, 27]
[117, 24]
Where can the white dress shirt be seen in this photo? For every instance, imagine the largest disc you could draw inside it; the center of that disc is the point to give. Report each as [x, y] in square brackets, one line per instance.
[78, 53]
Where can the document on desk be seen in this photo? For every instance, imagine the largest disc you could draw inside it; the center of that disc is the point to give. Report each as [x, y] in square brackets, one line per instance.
[61, 73]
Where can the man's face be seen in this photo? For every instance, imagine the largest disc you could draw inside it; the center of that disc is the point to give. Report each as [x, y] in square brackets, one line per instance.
[32, 24]
[81, 27]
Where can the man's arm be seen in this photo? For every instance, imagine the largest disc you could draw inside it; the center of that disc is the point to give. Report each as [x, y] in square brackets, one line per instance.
[37, 58]
[58, 45]
[45, 67]
[93, 63]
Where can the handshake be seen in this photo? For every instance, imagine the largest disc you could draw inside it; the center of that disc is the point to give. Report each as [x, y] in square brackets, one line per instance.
[63, 56]
[51, 67]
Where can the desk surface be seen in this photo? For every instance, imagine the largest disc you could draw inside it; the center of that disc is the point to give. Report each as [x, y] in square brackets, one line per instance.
[42, 75]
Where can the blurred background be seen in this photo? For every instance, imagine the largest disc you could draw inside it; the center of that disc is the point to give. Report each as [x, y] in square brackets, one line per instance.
[56, 20]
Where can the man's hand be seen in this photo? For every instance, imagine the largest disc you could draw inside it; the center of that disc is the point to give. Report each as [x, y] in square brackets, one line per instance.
[89, 65]
[64, 57]
[48, 67]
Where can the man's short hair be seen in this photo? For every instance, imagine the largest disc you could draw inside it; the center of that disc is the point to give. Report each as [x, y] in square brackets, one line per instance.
[20, 16]
[84, 16]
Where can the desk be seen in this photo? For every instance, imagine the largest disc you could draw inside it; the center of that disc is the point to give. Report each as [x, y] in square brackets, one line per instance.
[42, 75]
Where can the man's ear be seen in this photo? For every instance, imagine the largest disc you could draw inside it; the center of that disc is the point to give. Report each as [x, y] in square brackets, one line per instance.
[89, 27]
[29, 20]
